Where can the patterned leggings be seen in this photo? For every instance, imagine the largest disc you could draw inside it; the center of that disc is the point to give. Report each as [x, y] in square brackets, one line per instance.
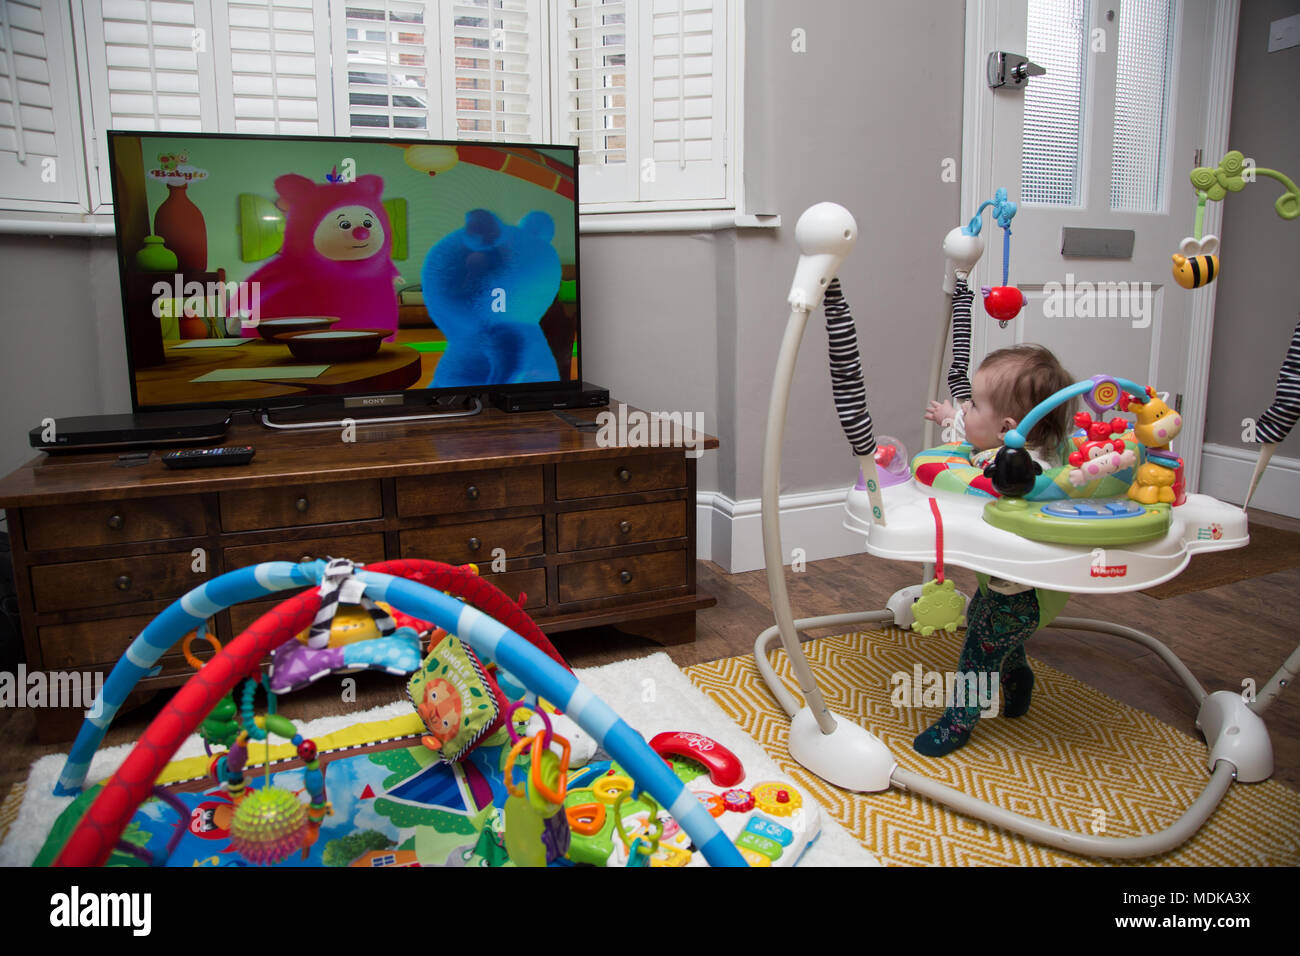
[997, 626]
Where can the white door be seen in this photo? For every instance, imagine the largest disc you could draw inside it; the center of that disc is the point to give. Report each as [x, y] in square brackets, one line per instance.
[1103, 141]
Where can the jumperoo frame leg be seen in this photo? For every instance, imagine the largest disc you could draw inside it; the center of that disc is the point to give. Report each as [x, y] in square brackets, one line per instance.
[837, 750]
[1225, 719]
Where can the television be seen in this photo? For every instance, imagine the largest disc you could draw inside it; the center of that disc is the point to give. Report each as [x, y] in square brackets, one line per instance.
[262, 271]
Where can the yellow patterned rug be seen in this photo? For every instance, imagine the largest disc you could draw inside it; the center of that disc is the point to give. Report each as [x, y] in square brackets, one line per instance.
[1119, 772]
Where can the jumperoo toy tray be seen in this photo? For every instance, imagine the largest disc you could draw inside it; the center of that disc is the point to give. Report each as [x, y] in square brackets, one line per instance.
[1201, 524]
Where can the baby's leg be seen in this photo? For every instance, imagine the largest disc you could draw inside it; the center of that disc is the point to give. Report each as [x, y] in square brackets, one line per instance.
[996, 626]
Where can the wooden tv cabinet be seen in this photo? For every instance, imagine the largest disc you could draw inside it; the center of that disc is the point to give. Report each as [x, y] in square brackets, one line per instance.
[590, 535]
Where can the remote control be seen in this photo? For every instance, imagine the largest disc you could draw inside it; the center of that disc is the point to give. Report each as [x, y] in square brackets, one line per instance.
[209, 457]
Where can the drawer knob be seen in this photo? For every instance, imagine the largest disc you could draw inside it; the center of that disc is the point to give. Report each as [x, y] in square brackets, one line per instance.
[301, 504]
[123, 582]
[475, 544]
[624, 475]
[115, 522]
[625, 576]
[305, 558]
[625, 526]
[471, 492]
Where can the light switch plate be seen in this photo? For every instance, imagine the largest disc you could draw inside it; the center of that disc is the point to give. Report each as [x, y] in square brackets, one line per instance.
[1284, 33]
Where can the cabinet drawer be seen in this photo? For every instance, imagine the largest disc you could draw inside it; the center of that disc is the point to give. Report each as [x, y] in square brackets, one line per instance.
[531, 583]
[69, 646]
[295, 505]
[469, 491]
[616, 476]
[360, 548]
[607, 527]
[110, 522]
[474, 541]
[153, 577]
[613, 576]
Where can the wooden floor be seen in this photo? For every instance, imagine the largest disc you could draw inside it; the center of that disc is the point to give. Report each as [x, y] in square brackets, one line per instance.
[1225, 635]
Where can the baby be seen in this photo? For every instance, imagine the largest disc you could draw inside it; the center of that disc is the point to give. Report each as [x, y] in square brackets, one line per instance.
[1002, 615]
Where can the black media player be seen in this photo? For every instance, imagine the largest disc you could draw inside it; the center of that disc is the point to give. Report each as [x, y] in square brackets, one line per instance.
[145, 430]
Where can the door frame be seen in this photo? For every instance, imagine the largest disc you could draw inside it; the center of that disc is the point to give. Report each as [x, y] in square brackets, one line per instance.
[977, 185]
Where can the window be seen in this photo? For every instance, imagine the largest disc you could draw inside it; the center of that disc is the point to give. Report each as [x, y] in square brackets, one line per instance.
[641, 86]
[1052, 140]
[39, 152]
[1141, 105]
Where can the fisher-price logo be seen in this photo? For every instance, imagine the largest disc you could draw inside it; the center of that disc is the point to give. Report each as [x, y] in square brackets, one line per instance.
[1109, 571]
[1100, 569]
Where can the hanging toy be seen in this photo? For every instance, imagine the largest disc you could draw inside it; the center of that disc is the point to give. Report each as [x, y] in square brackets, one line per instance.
[271, 823]
[536, 832]
[1196, 263]
[1003, 302]
[940, 606]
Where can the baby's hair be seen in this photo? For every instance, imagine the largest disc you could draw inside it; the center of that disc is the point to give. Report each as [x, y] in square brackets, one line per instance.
[1032, 373]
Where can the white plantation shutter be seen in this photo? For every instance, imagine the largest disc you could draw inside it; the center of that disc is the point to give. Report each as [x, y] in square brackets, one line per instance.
[640, 86]
[38, 147]
[273, 83]
[596, 73]
[493, 87]
[151, 68]
[646, 98]
[683, 98]
[386, 68]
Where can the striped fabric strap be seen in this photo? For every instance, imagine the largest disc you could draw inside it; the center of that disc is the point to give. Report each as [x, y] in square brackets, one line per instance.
[340, 585]
[1280, 417]
[959, 371]
[847, 386]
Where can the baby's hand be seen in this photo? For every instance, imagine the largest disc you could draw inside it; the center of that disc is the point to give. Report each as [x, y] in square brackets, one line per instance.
[940, 412]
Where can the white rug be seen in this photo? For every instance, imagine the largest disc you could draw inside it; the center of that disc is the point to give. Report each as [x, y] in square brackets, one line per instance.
[650, 693]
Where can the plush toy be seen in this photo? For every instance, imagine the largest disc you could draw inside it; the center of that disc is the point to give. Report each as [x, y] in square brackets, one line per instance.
[486, 287]
[336, 258]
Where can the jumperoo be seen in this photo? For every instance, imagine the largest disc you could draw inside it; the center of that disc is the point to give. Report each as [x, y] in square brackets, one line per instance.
[1008, 522]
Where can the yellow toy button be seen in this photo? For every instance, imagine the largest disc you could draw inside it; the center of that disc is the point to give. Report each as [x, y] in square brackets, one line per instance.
[609, 789]
[778, 799]
[670, 856]
[754, 859]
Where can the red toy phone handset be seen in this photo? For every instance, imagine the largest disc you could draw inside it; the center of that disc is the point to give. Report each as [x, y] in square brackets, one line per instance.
[725, 768]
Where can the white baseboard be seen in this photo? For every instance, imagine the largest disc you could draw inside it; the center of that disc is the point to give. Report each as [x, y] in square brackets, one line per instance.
[1226, 471]
[730, 533]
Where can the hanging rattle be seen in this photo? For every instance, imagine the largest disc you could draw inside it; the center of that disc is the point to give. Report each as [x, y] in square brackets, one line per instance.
[1196, 263]
[1003, 302]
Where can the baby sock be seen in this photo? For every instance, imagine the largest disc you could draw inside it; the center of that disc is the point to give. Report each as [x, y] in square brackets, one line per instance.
[996, 625]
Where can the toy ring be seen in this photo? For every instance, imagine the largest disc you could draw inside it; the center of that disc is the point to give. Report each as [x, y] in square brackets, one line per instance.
[540, 748]
[510, 724]
[190, 657]
[654, 828]
[611, 789]
[513, 757]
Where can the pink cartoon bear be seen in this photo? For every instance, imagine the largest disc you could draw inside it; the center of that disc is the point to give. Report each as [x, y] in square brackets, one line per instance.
[336, 258]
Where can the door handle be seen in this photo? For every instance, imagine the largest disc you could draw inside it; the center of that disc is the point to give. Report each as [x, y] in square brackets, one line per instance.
[1011, 69]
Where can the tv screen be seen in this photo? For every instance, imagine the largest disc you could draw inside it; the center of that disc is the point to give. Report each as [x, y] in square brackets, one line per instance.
[269, 271]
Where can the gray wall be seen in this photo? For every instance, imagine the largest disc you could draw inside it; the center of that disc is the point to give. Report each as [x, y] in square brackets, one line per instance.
[838, 122]
[64, 350]
[1257, 301]
[685, 322]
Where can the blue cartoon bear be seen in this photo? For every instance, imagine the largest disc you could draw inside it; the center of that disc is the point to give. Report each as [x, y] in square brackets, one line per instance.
[487, 286]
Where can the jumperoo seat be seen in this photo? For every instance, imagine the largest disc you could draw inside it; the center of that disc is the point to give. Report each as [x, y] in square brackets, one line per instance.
[1002, 536]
